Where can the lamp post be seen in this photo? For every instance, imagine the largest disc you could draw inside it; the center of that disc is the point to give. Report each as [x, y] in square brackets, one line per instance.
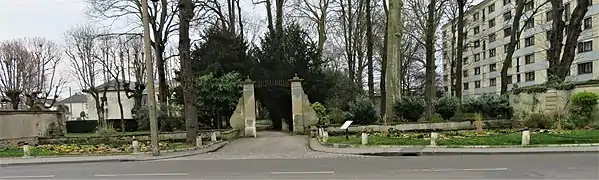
[150, 80]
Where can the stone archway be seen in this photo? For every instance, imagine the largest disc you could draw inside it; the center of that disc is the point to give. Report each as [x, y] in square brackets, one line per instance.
[244, 117]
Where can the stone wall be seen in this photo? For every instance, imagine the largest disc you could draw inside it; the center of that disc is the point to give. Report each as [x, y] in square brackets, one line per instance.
[423, 126]
[18, 124]
[550, 102]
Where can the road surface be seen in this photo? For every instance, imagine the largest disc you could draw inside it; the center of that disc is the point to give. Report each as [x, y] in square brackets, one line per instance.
[538, 166]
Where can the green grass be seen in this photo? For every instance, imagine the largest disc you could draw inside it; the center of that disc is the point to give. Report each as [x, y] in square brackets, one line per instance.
[468, 138]
[96, 134]
[47, 151]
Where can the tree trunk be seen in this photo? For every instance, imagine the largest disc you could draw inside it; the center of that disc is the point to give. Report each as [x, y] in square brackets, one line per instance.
[369, 46]
[118, 97]
[572, 32]
[383, 79]
[430, 88]
[269, 16]
[162, 86]
[511, 47]
[279, 14]
[394, 33]
[186, 13]
[460, 49]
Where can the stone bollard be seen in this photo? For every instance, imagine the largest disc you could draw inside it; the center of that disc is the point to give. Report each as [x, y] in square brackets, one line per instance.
[213, 136]
[434, 137]
[135, 145]
[26, 151]
[364, 138]
[325, 136]
[199, 141]
[320, 132]
[525, 137]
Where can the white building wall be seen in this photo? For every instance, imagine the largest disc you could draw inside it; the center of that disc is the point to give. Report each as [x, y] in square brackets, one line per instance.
[111, 107]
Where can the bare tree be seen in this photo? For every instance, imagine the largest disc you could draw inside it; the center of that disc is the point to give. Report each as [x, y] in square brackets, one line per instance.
[393, 65]
[316, 11]
[561, 55]
[189, 95]
[82, 51]
[162, 26]
[112, 60]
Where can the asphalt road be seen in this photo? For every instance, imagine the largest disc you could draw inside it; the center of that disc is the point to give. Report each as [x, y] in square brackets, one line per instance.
[538, 166]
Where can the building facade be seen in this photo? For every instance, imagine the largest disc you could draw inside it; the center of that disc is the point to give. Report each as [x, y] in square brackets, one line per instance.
[488, 25]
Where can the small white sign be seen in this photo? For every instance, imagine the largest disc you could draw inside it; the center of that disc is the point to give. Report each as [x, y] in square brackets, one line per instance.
[346, 124]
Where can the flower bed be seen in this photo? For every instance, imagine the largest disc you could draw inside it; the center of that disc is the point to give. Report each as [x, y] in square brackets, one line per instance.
[74, 149]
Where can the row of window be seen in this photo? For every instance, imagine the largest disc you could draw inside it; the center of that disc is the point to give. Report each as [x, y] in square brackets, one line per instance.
[528, 6]
[583, 68]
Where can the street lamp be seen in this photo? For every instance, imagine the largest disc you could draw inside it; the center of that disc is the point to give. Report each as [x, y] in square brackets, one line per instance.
[150, 79]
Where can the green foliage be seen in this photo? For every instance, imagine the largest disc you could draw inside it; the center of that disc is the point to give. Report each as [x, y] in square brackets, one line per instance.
[447, 106]
[321, 112]
[410, 108]
[538, 121]
[541, 88]
[338, 116]
[362, 111]
[107, 131]
[54, 130]
[491, 105]
[583, 103]
[166, 122]
[218, 96]
[221, 52]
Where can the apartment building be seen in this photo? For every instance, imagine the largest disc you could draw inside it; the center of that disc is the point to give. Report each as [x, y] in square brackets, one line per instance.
[488, 26]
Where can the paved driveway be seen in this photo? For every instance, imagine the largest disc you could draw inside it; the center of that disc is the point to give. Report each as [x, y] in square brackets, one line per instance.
[267, 145]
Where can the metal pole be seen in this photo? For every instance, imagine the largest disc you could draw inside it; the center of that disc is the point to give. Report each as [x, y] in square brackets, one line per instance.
[150, 80]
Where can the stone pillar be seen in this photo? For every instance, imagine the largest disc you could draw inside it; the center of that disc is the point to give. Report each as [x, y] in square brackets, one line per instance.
[249, 108]
[364, 138]
[297, 95]
[525, 138]
[434, 137]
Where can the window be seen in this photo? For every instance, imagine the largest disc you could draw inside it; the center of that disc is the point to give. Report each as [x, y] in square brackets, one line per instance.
[476, 30]
[529, 6]
[588, 23]
[484, 45]
[518, 44]
[465, 61]
[445, 78]
[507, 32]
[529, 76]
[491, 8]
[476, 84]
[492, 52]
[476, 44]
[529, 41]
[493, 82]
[475, 16]
[507, 16]
[518, 78]
[465, 73]
[492, 67]
[529, 24]
[445, 66]
[529, 59]
[585, 68]
[585, 46]
[549, 15]
[506, 2]
[492, 37]
[491, 23]
[466, 86]
[483, 14]
[477, 71]
[509, 79]
[477, 57]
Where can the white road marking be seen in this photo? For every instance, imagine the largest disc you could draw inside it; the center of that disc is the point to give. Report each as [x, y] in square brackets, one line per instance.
[453, 170]
[23, 177]
[314, 172]
[156, 174]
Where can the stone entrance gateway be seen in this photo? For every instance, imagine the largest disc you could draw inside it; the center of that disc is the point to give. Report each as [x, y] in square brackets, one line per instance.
[244, 117]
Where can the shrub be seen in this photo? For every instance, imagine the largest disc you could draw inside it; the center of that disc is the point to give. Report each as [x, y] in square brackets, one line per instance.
[54, 130]
[538, 121]
[583, 103]
[447, 106]
[493, 105]
[321, 112]
[166, 122]
[410, 108]
[338, 116]
[362, 111]
[471, 105]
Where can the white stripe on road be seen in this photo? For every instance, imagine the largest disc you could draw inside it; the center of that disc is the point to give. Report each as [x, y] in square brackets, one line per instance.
[314, 172]
[453, 170]
[156, 174]
[24, 177]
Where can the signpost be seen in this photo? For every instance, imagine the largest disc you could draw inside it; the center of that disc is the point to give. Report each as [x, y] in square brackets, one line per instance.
[346, 127]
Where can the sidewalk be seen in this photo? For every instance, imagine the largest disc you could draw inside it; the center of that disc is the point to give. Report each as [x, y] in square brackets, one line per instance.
[407, 151]
[114, 158]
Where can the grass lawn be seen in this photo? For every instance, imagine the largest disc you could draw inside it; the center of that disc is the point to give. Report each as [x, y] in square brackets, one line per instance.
[96, 134]
[464, 138]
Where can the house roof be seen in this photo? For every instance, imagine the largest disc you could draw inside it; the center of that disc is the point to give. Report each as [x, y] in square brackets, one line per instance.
[77, 98]
[113, 84]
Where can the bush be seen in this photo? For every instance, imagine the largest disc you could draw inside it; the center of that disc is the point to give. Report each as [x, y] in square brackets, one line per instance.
[538, 121]
[410, 108]
[321, 112]
[166, 122]
[491, 105]
[362, 111]
[471, 105]
[54, 130]
[447, 106]
[583, 103]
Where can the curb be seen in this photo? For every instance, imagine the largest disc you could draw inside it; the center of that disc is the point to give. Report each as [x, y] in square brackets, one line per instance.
[138, 157]
[316, 145]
